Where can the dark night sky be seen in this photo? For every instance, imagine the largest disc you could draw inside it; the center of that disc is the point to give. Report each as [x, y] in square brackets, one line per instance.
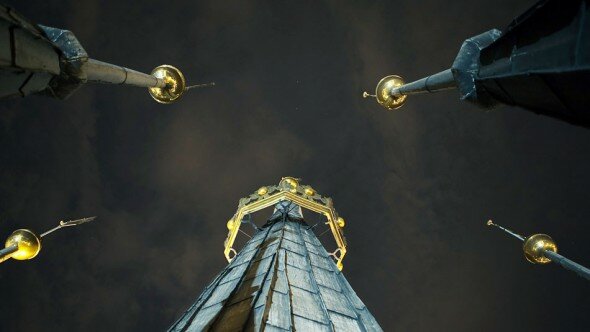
[415, 186]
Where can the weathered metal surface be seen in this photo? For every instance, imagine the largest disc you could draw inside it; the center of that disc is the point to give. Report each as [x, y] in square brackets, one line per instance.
[282, 280]
[51, 61]
[466, 68]
[443, 80]
[568, 264]
[5, 44]
[103, 72]
[542, 61]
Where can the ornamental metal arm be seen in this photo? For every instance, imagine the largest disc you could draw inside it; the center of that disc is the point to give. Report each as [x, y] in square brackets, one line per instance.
[541, 249]
[24, 244]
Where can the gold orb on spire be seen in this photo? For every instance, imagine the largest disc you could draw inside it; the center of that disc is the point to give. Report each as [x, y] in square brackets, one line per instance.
[29, 244]
[383, 92]
[175, 84]
[534, 247]
[289, 183]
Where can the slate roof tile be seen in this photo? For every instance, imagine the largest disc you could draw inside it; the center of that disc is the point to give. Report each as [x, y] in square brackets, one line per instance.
[283, 280]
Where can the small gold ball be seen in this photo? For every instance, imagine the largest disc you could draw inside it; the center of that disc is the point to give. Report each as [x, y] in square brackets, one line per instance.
[230, 224]
[534, 247]
[29, 244]
[340, 266]
[383, 92]
[175, 84]
[262, 191]
[291, 183]
[340, 222]
[309, 191]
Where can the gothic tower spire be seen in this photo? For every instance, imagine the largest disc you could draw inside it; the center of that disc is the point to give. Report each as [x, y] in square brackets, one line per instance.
[283, 278]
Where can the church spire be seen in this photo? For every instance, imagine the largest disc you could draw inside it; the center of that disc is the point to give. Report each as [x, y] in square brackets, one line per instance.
[283, 278]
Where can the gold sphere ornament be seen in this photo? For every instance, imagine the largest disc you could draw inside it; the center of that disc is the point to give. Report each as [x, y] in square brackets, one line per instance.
[230, 224]
[29, 244]
[383, 92]
[309, 191]
[534, 247]
[262, 191]
[175, 84]
[291, 183]
[341, 223]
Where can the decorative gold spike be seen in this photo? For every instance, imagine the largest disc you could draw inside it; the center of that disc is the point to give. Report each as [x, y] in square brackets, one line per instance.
[533, 246]
[175, 84]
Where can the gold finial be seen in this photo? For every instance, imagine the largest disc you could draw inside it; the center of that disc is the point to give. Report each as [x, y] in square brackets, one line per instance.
[340, 222]
[175, 84]
[383, 92]
[28, 244]
[534, 247]
[290, 182]
[24, 244]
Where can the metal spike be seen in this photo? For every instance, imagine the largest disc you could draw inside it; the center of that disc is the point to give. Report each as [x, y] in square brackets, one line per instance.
[518, 236]
[196, 86]
[69, 223]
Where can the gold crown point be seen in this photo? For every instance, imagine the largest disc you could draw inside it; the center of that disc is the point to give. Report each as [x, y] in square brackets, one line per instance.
[341, 223]
[262, 191]
[230, 224]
